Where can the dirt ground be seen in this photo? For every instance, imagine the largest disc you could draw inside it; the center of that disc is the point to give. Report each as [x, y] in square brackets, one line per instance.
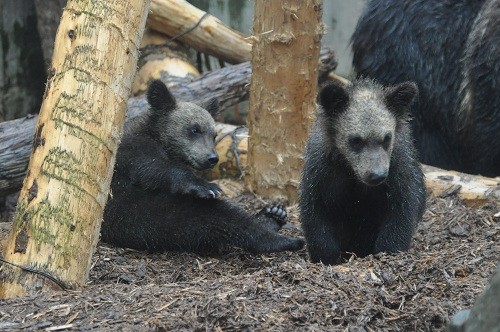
[454, 254]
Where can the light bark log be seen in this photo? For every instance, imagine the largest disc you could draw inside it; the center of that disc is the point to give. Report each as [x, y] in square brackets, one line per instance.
[282, 94]
[162, 59]
[229, 85]
[473, 190]
[173, 17]
[59, 211]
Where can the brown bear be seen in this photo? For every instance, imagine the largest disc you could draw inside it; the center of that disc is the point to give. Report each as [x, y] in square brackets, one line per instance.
[158, 203]
[362, 188]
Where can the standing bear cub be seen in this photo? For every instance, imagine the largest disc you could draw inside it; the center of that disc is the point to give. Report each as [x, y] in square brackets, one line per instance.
[362, 188]
[158, 203]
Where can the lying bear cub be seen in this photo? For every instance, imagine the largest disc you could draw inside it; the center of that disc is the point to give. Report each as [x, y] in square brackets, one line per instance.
[362, 188]
[157, 202]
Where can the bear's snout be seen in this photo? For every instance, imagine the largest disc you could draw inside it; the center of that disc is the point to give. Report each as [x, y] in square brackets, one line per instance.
[376, 177]
[212, 159]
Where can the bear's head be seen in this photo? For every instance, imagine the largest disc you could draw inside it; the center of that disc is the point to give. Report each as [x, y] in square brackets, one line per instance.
[186, 131]
[363, 120]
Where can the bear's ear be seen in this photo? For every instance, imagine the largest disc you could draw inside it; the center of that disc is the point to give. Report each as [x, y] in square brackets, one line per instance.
[398, 98]
[212, 106]
[159, 97]
[333, 97]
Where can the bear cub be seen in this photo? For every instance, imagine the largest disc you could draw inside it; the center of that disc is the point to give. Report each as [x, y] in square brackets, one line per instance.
[362, 189]
[158, 203]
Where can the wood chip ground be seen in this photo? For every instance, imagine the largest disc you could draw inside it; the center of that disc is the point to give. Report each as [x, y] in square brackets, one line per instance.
[454, 254]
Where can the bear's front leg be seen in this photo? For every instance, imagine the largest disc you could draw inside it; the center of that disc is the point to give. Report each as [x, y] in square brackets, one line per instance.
[407, 204]
[185, 182]
[396, 234]
[321, 236]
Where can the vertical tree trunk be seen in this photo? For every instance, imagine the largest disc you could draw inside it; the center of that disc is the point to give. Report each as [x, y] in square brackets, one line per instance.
[282, 93]
[60, 207]
[22, 73]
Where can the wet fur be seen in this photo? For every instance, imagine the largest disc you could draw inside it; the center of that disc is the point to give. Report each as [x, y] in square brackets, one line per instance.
[339, 212]
[158, 203]
[451, 50]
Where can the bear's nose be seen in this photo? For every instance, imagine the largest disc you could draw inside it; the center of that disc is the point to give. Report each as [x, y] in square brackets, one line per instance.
[377, 177]
[213, 159]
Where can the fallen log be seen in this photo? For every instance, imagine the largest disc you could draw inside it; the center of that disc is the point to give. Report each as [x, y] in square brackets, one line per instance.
[473, 190]
[162, 59]
[229, 85]
[232, 143]
[208, 35]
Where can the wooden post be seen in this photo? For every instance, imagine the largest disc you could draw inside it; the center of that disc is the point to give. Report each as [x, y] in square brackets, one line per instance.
[282, 93]
[57, 221]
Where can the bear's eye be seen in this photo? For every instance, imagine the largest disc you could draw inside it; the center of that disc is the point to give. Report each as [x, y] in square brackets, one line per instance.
[196, 130]
[356, 143]
[387, 141]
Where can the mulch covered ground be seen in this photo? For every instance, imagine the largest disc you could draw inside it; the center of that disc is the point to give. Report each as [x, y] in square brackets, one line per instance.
[455, 253]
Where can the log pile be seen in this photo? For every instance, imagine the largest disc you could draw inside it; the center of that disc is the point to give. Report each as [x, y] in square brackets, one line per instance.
[162, 59]
[186, 23]
[229, 85]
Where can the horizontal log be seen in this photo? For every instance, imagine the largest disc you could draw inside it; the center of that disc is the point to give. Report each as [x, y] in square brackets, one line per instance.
[473, 190]
[229, 85]
[211, 36]
[162, 59]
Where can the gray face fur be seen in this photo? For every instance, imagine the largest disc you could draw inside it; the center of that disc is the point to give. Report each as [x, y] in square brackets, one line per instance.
[365, 121]
[185, 130]
[364, 135]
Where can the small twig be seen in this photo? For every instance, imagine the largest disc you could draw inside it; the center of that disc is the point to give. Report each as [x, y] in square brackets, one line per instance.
[60, 327]
[190, 29]
[234, 146]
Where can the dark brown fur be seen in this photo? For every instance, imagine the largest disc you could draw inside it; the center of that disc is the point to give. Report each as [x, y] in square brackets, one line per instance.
[158, 203]
[362, 189]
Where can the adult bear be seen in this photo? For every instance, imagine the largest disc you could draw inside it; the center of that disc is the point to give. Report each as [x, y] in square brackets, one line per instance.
[158, 203]
[451, 49]
[362, 189]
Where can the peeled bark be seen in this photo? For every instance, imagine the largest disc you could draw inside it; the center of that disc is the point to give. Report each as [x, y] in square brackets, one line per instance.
[57, 221]
[211, 36]
[282, 93]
